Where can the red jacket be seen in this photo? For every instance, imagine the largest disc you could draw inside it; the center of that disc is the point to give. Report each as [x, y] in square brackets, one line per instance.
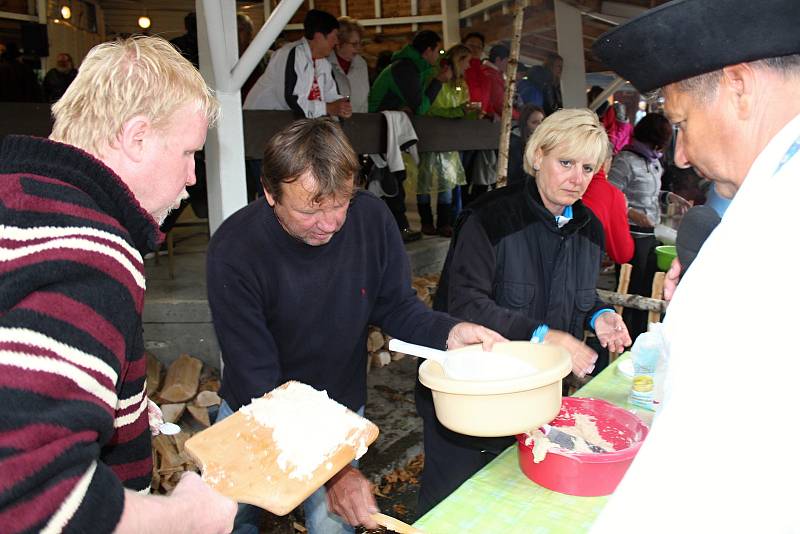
[476, 81]
[495, 90]
[609, 205]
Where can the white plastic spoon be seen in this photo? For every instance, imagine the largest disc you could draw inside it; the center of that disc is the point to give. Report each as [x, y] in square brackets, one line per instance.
[468, 365]
[419, 350]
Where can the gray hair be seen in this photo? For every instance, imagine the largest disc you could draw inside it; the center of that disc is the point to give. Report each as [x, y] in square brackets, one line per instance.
[704, 86]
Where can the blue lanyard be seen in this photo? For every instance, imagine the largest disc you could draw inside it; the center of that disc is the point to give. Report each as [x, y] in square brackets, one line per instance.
[789, 155]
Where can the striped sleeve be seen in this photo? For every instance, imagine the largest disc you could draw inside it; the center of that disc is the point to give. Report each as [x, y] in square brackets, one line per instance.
[73, 427]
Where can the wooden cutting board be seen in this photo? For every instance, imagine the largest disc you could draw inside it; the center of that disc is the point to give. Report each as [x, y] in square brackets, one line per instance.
[238, 458]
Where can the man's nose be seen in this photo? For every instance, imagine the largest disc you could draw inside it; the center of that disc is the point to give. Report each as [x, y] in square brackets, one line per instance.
[192, 178]
[329, 222]
[680, 158]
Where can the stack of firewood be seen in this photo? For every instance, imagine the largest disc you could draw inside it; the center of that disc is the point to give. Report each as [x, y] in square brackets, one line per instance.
[184, 392]
[378, 351]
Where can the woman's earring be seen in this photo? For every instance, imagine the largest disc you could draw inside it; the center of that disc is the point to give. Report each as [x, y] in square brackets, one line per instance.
[535, 167]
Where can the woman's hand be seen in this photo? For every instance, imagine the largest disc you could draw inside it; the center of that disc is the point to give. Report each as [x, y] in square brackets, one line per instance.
[612, 332]
[681, 204]
[583, 358]
[638, 218]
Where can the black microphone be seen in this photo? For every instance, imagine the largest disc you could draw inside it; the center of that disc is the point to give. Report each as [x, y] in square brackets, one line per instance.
[696, 226]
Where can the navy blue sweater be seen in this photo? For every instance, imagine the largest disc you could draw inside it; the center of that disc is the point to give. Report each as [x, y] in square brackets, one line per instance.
[284, 310]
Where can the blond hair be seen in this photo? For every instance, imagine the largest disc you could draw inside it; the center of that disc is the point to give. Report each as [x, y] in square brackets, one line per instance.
[575, 133]
[455, 54]
[347, 27]
[122, 79]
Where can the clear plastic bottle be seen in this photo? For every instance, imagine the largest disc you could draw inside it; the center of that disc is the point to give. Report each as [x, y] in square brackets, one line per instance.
[648, 369]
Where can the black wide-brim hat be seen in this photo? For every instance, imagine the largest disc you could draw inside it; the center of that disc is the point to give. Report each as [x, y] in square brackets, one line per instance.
[685, 38]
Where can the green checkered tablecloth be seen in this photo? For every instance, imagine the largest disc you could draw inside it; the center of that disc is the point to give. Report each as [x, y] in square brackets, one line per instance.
[500, 498]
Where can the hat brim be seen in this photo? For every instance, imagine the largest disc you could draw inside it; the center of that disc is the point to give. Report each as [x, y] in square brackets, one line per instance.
[685, 38]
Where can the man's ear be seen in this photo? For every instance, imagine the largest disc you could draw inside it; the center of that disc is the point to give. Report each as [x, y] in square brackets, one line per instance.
[269, 197]
[739, 81]
[133, 137]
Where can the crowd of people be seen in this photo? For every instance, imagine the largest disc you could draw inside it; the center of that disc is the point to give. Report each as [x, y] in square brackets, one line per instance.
[296, 278]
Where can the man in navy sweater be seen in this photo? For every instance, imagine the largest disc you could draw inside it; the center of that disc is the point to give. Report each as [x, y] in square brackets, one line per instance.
[294, 281]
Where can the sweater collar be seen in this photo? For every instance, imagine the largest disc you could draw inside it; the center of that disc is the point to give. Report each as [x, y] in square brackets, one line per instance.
[80, 169]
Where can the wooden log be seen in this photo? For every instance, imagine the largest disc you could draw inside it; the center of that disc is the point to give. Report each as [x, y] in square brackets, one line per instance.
[375, 340]
[182, 380]
[153, 374]
[180, 440]
[381, 358]
[211, 384]
[168, 454]
[204, 399]
[172, 412]
[636, 302]
[508, 102]
[200, 414]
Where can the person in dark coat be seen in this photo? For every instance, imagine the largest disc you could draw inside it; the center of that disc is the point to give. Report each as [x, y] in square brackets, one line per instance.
[524, 261]
[57, 79]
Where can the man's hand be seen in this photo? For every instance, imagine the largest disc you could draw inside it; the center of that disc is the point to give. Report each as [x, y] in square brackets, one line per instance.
[612, 332]
[464, 334]
[638, 218]
[193, 508]
[340, 108]
[350, 496]
[583, 358]
[154, 417]
[672, 279]
[211, 512]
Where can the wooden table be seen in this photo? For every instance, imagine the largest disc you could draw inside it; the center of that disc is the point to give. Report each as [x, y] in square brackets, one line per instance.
[500, 498]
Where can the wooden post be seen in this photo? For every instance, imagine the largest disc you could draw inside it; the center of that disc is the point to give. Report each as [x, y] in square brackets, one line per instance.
[622, 288]
[508, 102]
[658, 293]
[624, 282]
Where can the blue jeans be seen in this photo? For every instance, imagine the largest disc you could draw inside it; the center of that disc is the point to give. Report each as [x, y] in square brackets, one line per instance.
[319, 520]
[444, 197]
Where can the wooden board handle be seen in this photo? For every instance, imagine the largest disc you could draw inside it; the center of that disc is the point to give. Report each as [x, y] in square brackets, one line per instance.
[395, 524]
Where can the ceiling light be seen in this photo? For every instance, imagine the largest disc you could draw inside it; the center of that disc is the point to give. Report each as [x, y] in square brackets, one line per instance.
[144, 22]
[66, 12]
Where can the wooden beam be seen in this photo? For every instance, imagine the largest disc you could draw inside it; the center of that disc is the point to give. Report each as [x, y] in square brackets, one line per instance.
[632, 301]
[498, 28]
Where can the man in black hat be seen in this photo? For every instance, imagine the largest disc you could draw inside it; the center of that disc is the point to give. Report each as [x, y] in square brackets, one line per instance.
[729, 71]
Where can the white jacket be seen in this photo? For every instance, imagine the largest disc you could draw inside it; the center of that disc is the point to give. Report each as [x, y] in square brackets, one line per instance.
[354, 84]
[272, 88]
[721, 455]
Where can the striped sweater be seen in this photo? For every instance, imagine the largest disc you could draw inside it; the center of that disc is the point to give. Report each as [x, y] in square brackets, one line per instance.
[73, 413]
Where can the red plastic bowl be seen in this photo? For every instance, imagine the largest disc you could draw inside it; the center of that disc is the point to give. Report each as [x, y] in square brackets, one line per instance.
[586, 474]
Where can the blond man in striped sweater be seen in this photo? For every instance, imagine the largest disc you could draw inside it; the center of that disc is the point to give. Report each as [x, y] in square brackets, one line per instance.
[77, 212]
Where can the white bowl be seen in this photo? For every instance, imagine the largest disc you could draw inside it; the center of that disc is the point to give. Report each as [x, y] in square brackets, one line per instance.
[500, 407]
